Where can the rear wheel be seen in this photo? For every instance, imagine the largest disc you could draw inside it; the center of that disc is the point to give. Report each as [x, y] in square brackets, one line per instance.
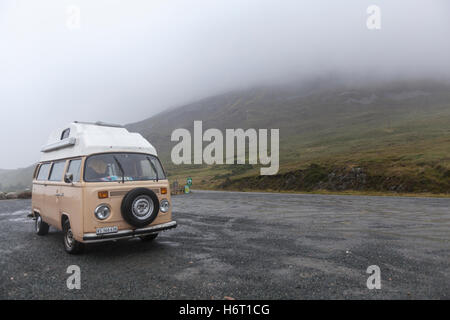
[149, 237]
[40, 226]
[71, 245]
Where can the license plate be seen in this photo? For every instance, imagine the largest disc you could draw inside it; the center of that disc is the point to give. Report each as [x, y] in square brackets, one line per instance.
[105, 230]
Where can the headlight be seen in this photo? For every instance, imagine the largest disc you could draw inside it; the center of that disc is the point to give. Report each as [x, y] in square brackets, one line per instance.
[164, 205]
[102, 212]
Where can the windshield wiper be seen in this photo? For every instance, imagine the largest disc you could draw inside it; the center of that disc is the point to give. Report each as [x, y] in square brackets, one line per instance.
[121, 169]
[153, 167]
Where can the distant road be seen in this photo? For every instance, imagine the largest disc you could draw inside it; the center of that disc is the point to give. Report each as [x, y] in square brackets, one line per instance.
[245, 246]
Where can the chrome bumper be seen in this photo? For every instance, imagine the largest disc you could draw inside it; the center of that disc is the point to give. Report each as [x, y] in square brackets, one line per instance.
[123, 234]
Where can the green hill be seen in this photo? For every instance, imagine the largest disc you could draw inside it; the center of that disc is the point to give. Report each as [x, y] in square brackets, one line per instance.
[395, 136]
[16, 179]
[391, 137]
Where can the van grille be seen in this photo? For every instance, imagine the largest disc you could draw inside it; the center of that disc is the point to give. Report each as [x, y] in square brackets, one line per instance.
[117, 193]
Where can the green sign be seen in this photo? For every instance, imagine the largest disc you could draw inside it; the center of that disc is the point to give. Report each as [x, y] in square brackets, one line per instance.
[186, 189]
[189, 181]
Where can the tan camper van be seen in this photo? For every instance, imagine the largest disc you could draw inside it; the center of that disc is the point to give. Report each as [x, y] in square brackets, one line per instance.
[99, 182]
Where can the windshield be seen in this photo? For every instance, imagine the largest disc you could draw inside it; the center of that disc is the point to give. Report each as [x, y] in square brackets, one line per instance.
[123, 167]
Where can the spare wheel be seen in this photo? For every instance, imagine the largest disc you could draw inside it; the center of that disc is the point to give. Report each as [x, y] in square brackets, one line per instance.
[140, 207]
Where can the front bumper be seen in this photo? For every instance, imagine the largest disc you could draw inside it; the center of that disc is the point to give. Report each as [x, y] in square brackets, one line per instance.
[123, 234]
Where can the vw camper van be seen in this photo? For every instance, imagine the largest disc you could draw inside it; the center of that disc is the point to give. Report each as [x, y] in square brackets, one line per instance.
[98, 182]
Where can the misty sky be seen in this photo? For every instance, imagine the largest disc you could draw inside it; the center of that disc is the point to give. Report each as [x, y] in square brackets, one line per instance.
[131, 59]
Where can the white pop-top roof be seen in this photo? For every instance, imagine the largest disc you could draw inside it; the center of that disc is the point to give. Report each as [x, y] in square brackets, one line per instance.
[89, 138]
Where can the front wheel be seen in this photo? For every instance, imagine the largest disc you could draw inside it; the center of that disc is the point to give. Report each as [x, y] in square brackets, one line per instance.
[149, 237]
[40, 226]
[71, 245]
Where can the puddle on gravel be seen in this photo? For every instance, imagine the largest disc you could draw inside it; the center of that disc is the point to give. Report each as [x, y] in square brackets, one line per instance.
[16, 213]
[21, 220]
[170, 243]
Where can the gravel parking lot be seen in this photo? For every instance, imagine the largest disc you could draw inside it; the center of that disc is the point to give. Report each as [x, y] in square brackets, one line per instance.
[245, 246]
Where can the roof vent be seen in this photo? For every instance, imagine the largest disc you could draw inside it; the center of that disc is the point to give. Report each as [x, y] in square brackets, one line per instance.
[68, 142]
[101, 123]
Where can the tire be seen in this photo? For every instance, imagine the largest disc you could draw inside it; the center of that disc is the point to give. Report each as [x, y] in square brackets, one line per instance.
[71, 245]
[40, 226]
[149, 237]
[140, 207]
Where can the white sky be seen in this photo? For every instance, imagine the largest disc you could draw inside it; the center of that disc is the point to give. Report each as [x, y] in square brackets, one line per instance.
[131, 59]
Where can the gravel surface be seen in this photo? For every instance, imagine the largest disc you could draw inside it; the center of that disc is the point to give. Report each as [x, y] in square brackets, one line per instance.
[245, 246]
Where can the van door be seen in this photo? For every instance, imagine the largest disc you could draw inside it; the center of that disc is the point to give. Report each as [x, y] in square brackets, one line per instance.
[53, 193]
[72, 202]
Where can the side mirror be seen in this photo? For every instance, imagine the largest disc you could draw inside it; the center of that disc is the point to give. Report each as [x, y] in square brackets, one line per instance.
[68, 178]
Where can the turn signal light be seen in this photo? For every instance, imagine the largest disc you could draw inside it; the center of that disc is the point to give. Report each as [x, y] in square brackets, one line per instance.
[163, 190]
[103, 194]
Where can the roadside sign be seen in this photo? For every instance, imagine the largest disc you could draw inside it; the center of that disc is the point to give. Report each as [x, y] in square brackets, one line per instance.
[187, 189]
[189, 181]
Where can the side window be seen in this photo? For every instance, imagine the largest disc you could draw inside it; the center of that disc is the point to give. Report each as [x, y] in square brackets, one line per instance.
[43, 172]
[74, 168]
[65, 134]
[36, 169]
[57, 171]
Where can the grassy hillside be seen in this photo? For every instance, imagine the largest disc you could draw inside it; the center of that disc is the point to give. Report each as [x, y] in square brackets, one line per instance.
[393, 137]
[397, 134]
[16, 180]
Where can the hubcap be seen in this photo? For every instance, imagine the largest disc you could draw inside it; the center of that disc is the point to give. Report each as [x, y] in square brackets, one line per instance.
[38, 223]
[142, 207]
[69, 238]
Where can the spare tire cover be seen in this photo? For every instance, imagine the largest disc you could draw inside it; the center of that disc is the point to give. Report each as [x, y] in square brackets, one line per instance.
[140, 207]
